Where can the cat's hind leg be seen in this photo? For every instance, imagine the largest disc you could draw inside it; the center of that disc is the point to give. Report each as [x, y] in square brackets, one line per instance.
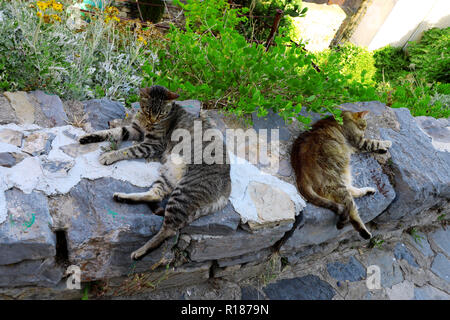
[344, 196]
[158, 191]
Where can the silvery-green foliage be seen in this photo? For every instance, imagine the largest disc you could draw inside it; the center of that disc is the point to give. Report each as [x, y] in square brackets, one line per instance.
[98, 61]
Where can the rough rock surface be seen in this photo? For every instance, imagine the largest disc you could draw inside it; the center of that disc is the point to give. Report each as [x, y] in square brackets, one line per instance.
[56, 210]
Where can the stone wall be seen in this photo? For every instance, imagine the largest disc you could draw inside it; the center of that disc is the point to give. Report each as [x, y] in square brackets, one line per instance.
[56, 210]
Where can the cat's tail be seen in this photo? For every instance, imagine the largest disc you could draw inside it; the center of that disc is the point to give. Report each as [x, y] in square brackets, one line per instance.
[315, 199]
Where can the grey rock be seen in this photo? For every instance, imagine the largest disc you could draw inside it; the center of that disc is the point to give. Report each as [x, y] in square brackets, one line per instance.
[222, 222]
[7, 114]
[437, 129]
[271, 121]
[390, 271]
[251, 293]
[352, 271]
[309, 287]
[401, 252]
[422, 244]
[52, 107]
[441, 238]
[100, 111]
[43, 273]
[11, 136]
[57, 167]
[430, 293]
[38, 143]
[319, 224]
[204, 248]
[26, 234]
[75, 149]
[441, 267]
[422, 174]
[7, 160]
[102, 233]
[250, 257]
[285, 168]
[191, 106]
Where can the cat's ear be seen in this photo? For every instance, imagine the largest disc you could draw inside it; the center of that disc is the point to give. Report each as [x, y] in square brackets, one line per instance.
[362, 114]
[144, 92]
[172, 95]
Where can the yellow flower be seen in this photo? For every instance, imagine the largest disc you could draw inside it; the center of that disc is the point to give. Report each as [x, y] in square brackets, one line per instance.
[56, 17]
[57, 6]
[42, 5]
[39, 14]
[141, 39]
[47, 18]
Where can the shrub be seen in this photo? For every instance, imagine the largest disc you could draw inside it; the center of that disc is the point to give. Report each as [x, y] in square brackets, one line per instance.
[39, 50]
[212, 62]
[430, 56]
[391, 63]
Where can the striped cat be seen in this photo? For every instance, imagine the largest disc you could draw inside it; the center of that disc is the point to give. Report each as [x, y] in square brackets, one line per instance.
[320, 158]
[193, 190]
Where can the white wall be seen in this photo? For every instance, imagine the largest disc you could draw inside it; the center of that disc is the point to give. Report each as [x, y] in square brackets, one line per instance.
[405, 22]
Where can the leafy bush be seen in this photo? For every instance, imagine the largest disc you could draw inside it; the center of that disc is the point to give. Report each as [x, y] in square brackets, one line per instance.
[430, 56]
[212, 62]
[259, 28]
[356, 63]
[391, 63]
[39, 50]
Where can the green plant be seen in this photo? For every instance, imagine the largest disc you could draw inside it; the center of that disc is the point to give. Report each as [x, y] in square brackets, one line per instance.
[212, 61]
[101, 58]
[429, 56]
[391, 63]
[414, 233]
[376, 242]
[262, 14]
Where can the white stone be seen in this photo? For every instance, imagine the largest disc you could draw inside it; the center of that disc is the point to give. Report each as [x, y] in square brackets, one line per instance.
[243, 174]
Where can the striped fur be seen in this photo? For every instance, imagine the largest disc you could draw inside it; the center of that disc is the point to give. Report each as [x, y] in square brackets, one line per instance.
[320, 158]
[193, 190]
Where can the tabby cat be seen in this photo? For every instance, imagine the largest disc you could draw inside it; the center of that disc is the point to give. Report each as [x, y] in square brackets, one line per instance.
[320, 158]
[193, 190]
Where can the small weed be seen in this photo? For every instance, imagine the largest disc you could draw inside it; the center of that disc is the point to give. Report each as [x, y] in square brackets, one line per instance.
[414, 233]
[376, 242]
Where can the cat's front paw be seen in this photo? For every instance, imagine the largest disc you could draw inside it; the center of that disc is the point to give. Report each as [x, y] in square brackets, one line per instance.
[138, 254]
[384, 146]
[108, 158]
[90, 138]
[369, 191]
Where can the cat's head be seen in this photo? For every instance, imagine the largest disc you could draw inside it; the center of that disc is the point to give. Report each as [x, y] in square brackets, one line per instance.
[355, 120]
[156, 102]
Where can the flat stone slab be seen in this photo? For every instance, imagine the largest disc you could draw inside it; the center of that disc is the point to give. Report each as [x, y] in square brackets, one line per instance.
[442, 240]
[7, 114]
[441, 267]
[11, 136]
[437, 129]
[390, 270]
[101, 111]
[102, 233]
[422, 244]
[41, 273]
[51, 106]
[204, 248]
[38, 143]
[402, 252]
[222, 222]
[23, 108]
[430, 293]
[422, 173]
[352, 271]
[26, 234]
[309, 287]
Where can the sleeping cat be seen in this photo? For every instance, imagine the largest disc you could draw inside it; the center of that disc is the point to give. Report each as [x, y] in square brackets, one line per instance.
[193, 190]
[320, 158]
